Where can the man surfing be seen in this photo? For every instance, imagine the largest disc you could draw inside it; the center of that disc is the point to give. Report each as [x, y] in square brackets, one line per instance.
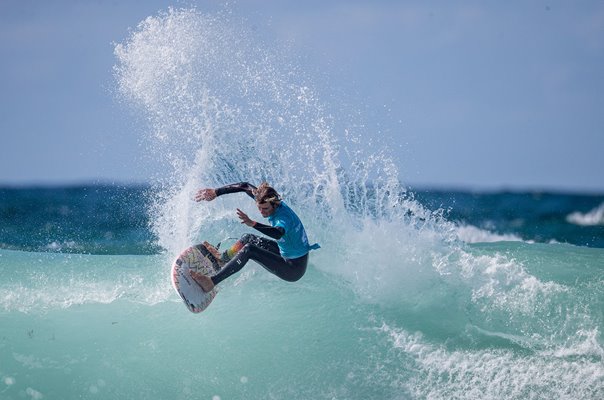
[286, 256]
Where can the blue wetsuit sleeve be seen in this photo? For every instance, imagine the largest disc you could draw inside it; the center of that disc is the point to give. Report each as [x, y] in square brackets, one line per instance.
[236, 188]
[275, 232]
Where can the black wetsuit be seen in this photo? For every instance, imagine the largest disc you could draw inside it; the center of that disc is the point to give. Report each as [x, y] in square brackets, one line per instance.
[262, 250]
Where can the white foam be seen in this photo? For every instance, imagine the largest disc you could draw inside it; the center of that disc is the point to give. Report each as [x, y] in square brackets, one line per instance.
[495, 374]
[33, 393]
[48, 281]
[591, 218]
[499, 282]
[473, 234]
[9, 380]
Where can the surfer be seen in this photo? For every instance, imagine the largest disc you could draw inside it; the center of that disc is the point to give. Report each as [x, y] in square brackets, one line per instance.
[286, 256]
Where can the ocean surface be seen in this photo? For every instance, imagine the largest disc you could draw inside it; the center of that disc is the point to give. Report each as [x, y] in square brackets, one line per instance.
[415, 293]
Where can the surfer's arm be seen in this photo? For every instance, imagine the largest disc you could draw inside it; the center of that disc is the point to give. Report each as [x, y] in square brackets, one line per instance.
[211, 194]
[275, 232]
[236, 188]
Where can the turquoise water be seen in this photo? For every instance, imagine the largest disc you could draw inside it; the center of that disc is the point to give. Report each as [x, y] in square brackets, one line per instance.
[413, 295]
[502, 320]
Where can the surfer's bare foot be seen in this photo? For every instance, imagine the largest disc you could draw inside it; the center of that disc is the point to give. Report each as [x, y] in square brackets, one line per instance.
[203, 280]
[215, 252]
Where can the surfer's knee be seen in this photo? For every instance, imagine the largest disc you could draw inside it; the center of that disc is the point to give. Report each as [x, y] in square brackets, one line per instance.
[247, 238]
[246, 248]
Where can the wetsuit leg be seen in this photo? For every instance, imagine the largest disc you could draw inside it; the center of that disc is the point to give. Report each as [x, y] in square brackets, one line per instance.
[263, 252]
[263, 243]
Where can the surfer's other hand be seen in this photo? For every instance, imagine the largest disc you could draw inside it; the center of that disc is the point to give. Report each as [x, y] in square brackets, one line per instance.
[205, 194]
[244, 218]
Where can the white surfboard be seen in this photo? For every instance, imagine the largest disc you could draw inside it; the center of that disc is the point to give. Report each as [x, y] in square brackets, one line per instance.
[199, 259]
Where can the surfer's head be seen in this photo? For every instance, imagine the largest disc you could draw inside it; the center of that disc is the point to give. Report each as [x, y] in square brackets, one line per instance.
[267, 199]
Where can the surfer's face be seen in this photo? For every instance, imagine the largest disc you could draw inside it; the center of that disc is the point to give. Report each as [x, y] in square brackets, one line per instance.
[266, 209]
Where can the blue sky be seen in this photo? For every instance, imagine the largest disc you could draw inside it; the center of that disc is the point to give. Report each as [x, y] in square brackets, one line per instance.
[477, 94]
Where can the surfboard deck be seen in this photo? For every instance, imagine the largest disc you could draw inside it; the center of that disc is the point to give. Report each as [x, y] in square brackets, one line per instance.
[197, 258]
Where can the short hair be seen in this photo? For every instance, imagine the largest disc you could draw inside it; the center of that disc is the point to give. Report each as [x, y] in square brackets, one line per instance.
[266, 194]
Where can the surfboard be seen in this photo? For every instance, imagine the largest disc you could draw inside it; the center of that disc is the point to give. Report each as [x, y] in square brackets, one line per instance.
[197, 258]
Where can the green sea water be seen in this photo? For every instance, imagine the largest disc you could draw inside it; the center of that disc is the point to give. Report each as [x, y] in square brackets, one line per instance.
[502, 320]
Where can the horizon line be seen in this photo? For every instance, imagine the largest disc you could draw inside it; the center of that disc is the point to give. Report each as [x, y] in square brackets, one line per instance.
[412, 187]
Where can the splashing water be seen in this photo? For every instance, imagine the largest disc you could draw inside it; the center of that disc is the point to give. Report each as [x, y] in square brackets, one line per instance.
[225, 109]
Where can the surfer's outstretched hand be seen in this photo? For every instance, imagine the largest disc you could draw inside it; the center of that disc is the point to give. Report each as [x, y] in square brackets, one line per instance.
[245, 219]
[205, 194]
